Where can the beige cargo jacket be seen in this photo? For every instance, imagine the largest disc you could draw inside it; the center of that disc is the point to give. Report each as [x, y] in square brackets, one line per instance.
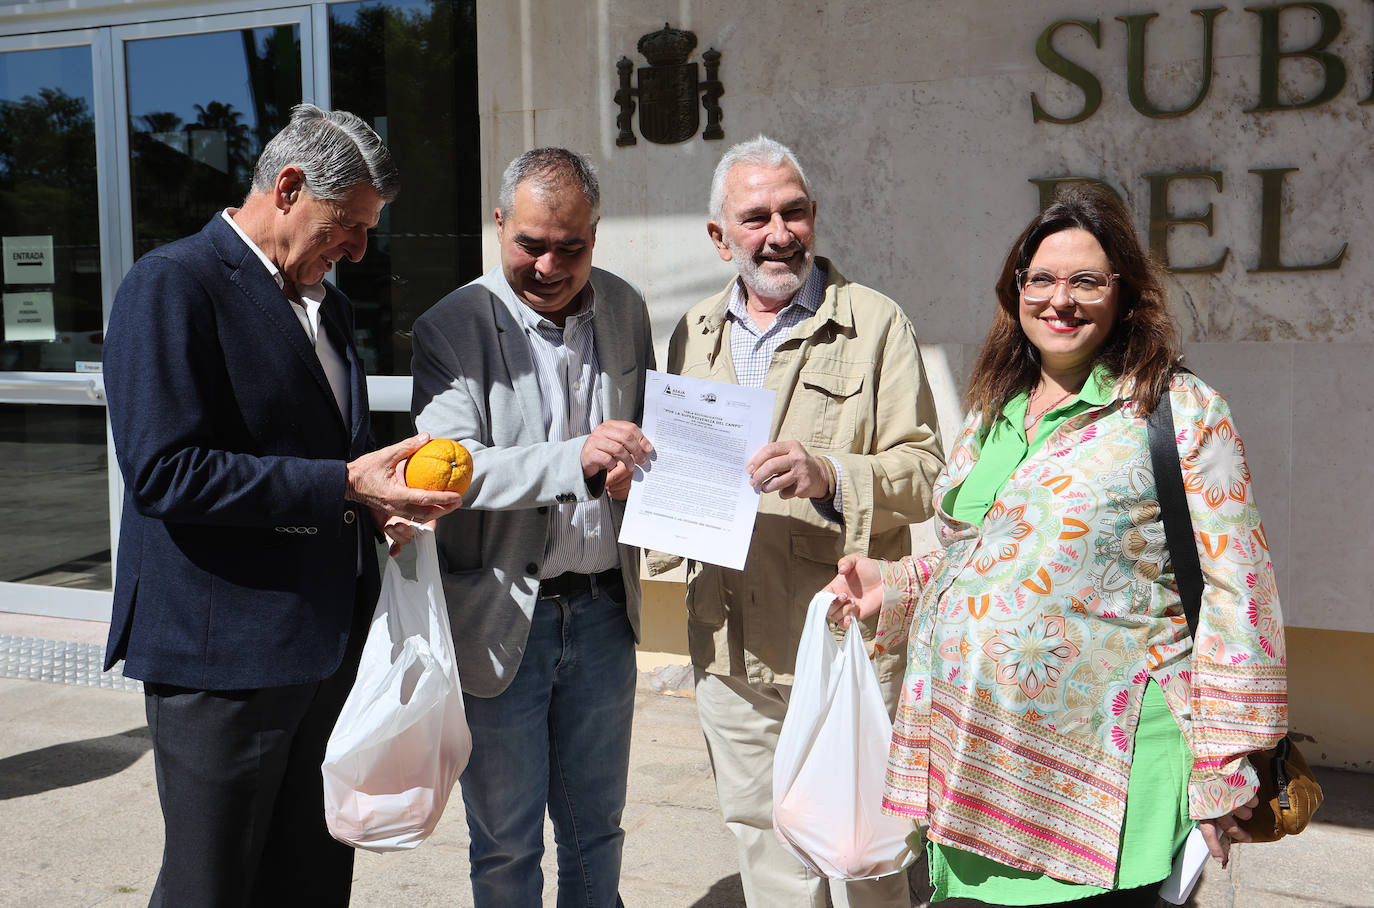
[849, 384]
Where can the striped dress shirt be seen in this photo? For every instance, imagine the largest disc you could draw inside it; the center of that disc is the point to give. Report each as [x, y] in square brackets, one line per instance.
[581, 534]
[752, 350]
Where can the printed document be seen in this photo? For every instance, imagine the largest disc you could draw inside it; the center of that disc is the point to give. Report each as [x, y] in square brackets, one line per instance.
[693, 497]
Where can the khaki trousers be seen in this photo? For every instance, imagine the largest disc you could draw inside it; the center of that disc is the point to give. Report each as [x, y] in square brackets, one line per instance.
[741, 722]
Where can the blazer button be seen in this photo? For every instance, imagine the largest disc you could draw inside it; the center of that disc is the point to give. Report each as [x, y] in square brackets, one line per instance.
[349, 517]
[531, 568]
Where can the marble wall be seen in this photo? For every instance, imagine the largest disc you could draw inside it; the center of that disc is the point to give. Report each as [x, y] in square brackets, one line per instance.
[915, 123]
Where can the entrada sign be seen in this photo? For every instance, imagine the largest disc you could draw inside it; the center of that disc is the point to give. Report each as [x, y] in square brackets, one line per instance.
[28, 259]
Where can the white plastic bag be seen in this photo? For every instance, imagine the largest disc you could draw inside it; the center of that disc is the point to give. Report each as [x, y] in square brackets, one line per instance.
[831, 760]
[402, 738]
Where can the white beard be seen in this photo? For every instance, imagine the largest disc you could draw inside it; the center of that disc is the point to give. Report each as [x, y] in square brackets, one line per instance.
[773, 286]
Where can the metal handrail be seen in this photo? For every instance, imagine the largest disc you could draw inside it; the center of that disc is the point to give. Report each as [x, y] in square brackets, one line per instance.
[386, 392]
[52, 388]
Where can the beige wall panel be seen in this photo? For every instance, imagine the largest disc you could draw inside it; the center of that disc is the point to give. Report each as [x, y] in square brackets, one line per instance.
[1332, 488]
[1329, 676]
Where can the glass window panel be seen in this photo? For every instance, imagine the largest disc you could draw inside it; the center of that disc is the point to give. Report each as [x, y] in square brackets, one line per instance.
[54, 498]
[48, 190]
[409, 67]
[389, 427]
[193, 138]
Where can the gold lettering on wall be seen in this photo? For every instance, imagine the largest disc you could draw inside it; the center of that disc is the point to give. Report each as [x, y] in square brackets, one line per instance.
[1135, 62]
[1370, 99]
[1333, 68]
[1330, 68]
[1161, 219]
[1060, 65]
[1271, 58]
[1271, 226]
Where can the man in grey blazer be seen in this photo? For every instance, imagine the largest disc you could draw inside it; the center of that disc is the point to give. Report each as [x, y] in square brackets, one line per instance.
[537, 367]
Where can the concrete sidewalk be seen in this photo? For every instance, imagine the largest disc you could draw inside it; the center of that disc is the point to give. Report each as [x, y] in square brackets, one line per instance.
[79, 813]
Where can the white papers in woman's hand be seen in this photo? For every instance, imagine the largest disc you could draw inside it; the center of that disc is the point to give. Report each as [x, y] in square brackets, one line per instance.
[1188, 864]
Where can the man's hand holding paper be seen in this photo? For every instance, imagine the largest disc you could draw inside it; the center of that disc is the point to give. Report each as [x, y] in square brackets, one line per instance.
[785, 467]
[695, 496]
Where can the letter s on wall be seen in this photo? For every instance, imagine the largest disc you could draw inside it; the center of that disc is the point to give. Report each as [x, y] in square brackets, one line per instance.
[1060, 65]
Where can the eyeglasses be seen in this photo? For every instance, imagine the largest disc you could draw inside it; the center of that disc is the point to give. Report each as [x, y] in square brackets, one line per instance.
[1083, 287]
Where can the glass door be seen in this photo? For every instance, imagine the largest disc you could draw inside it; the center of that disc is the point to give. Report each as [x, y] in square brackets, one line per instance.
[113, 141]
[409, 68]
[201, 97]
[120, 136]
[55, 538]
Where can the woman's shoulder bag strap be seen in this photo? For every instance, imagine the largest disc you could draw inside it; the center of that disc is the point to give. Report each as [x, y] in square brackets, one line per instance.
[1173, 507]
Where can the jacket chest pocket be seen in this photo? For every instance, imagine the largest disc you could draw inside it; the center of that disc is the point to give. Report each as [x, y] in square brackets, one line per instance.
[827, 407]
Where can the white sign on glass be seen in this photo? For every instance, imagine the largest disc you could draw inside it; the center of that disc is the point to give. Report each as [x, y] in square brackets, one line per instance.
[28, 317]
[28, 259]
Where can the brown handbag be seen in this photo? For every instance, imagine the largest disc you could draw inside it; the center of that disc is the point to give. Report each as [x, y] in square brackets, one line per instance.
[1288, 791]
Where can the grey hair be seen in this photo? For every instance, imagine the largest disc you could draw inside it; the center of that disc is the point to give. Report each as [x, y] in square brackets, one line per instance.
[551, 168]
[335, 150]
[761, 151]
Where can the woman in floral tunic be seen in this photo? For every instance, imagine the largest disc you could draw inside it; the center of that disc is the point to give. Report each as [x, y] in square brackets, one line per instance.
[1060, 731]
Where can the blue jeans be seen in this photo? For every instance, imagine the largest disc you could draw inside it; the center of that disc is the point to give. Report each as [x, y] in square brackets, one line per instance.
[559, 737]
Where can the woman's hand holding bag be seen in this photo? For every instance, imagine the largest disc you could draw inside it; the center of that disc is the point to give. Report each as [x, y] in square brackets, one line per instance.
[832, 758]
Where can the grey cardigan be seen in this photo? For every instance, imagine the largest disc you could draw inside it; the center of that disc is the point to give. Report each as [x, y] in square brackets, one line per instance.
[474, 381]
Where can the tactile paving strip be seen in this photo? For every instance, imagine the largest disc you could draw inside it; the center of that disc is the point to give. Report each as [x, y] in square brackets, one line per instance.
[60, 661]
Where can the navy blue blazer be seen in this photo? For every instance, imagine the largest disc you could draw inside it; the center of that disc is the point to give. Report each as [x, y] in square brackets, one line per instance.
[238, 563]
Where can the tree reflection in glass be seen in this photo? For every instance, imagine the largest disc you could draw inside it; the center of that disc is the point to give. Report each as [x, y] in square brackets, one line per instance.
[409, 68]
[194, 136]
[52, 458]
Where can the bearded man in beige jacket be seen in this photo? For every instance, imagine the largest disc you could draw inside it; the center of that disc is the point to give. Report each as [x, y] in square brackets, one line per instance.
[853, 453]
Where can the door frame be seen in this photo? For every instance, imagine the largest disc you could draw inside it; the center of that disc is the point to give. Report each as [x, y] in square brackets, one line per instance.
[114, 213]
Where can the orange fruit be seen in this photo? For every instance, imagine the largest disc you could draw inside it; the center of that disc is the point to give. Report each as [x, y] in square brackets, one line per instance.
[442, 465]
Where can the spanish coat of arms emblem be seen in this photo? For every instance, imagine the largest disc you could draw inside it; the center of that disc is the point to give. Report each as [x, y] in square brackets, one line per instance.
[668, 90]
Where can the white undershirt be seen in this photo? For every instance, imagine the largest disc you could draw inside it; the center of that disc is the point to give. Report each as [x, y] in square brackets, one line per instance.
[308, 313]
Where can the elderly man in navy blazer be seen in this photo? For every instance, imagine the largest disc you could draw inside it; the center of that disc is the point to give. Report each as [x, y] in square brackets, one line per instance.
[247, 567]
[538, 368]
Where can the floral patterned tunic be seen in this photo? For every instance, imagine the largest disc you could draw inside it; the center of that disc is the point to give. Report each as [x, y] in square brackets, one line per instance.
[1031, 642]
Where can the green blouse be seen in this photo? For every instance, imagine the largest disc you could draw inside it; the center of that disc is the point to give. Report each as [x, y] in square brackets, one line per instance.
[1006, 447]
[1156, 821]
